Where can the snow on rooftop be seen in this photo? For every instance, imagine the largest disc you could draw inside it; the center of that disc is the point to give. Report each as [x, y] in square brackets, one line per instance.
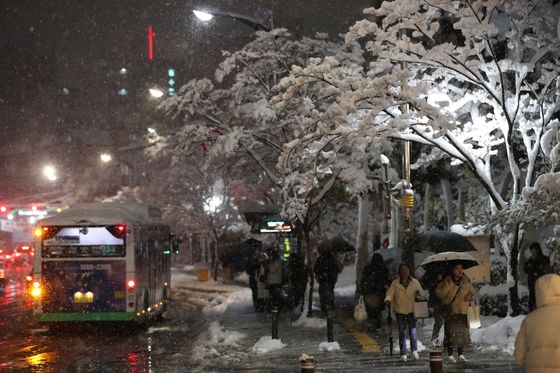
[105, 213]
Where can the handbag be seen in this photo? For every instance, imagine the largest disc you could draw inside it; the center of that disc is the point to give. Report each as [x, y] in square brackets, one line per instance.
[421, 310]
[360, 313]
[473, 316]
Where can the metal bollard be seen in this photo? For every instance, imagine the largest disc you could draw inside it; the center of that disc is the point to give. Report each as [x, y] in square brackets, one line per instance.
[330, 331]
[436, 365]
[307, 364]
[275, 322]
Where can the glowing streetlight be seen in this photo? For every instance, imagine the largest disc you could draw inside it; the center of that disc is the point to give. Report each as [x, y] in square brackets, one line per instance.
[255, 24]
[105, 157]
[156, 92]
[203, 16]
[50, 173]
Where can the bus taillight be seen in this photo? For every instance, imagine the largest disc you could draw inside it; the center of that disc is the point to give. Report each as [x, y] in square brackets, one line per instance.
[36, 290]
[118, 231]
[46, 232]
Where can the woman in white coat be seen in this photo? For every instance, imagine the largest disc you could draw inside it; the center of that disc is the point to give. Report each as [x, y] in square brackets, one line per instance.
[402, 294]
[537, 347]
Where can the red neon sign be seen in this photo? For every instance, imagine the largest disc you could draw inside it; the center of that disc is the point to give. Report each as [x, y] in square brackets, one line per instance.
[151, 35]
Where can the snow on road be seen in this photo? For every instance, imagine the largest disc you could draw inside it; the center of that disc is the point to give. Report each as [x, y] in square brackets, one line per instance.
[329, 346]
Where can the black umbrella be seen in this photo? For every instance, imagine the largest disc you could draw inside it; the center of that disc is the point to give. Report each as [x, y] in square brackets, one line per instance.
[441, 241]
[336, 244]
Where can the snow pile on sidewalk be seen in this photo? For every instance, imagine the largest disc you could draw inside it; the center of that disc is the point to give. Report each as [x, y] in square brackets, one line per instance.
[221, 337]
[218, 344]
[499, 336]
[329, 346]
[220, 303]
[267, 344]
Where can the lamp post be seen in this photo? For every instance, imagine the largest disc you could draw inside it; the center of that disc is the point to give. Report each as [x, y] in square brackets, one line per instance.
[255, 24]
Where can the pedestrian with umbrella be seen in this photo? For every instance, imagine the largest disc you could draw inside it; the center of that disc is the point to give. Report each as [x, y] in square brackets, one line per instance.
[373, 287]
[401, 296]
[430, 281]
[326, 272]
[455, 293]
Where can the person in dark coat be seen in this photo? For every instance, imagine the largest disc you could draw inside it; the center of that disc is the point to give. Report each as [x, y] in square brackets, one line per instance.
[252, 268]
[274, 277]
[298, 279]
[326, 273]
[373, 287]
[430, 281]
[536, 266]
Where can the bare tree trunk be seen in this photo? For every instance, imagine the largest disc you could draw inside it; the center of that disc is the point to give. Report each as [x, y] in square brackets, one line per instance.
[513, 262]
[362, 240]
[216, 262]
[427, 206]
[461, 206]
[448, 193]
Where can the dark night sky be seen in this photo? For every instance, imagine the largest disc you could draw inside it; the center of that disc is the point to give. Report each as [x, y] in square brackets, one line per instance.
[49, 45]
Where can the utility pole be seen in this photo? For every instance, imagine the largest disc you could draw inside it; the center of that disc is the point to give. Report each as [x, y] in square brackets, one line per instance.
[407, 197]
[407, 203]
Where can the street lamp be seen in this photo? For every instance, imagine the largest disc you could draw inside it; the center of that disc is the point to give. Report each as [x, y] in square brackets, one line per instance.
[202, 15]
[105, 157]
[156, 92]
[257, 25]
[50, 173]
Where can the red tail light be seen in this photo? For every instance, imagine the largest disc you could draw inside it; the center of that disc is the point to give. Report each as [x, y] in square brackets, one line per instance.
[118, 231]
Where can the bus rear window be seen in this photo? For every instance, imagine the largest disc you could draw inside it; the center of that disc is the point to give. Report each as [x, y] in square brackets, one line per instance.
[83, 251]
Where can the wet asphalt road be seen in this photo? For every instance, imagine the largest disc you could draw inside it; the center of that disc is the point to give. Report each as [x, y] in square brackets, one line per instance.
[26, 346]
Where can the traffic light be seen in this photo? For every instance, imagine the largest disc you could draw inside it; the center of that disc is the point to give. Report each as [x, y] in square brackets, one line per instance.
[171, 81]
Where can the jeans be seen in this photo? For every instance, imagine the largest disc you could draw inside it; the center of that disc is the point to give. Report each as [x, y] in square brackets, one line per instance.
[407, 322]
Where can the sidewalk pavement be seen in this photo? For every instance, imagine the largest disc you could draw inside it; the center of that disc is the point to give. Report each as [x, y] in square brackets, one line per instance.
[360, 350]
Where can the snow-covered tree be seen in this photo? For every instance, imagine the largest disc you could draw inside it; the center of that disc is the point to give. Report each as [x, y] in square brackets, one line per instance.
[477, 78]
[234, 117]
